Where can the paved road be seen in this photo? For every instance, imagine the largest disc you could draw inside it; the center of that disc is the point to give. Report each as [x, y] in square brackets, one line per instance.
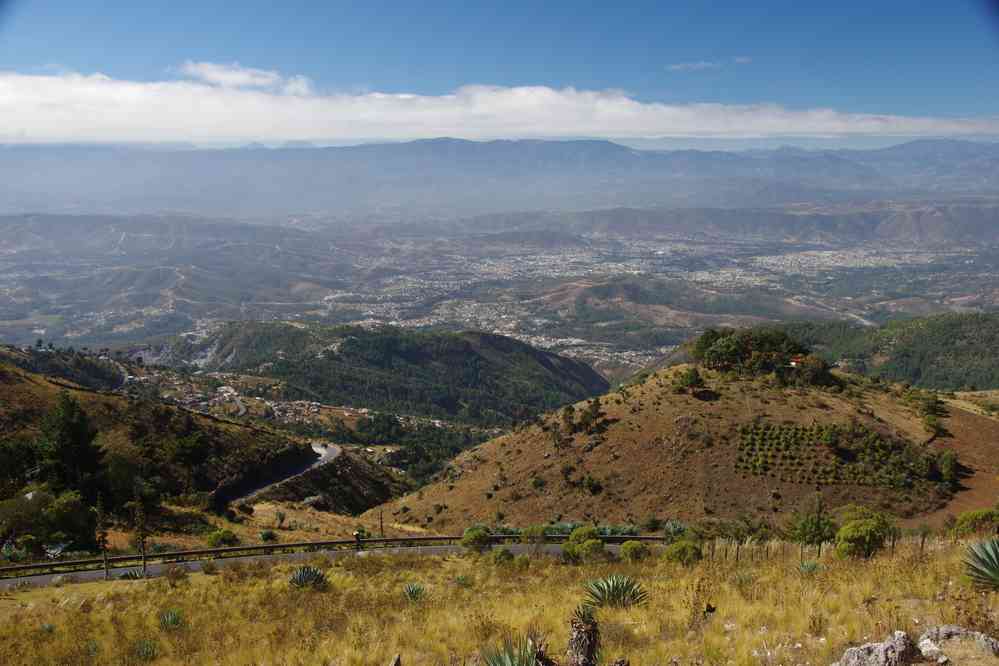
[327, 454]
[157, 568]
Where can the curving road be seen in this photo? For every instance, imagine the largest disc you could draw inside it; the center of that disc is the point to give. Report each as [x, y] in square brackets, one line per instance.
[327, 454]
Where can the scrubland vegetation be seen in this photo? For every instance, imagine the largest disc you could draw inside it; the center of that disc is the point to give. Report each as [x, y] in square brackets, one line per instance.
[769, 607]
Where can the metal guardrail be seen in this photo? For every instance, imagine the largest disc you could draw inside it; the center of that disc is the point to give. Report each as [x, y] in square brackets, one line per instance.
[42, 568]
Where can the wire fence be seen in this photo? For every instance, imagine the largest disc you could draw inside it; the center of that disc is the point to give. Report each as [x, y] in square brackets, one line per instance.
[712, 549]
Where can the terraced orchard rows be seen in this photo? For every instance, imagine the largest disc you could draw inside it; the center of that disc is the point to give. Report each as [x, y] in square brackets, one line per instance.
[837, 455]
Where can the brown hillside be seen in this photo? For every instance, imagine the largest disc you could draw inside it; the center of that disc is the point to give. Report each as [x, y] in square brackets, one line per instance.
[684, 455]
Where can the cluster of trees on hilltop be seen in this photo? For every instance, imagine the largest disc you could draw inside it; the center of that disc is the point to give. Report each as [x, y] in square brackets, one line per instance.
[756, 351]
[949, 351]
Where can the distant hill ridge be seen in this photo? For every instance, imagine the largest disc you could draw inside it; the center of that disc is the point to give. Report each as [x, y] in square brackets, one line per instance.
[949, 351]
[457, 177]
[471, 376]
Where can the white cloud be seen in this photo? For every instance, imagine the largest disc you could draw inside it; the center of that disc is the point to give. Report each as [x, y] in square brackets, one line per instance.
[742, 60]
[230, 75]
[230, 104]
[698, 66]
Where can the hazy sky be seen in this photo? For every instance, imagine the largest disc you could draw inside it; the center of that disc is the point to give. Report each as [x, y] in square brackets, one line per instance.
[330, 71]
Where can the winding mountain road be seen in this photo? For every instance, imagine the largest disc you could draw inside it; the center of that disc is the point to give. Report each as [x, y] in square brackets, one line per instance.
[327, 454]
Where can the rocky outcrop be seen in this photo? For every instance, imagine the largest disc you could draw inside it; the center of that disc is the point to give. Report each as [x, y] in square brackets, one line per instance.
[896, 650]
[899, 650]
[932, 644]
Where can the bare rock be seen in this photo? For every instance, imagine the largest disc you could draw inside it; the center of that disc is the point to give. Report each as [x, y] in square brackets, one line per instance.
[932, 644]
[897, 650]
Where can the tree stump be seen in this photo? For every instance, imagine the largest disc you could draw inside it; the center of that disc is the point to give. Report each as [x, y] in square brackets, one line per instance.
[584, 639]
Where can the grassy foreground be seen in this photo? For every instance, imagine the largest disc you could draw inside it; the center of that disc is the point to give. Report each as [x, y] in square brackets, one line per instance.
[767, 611]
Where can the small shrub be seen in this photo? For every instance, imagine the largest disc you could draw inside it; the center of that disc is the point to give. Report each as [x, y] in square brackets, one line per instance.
[615, 591]
[534, 536]
[862, 538]
[222, 538]
[308, 577]
[652, 524]
[690, 378]
[981, 563]
[583, 533]
[414, 593]
[171, 619]
[522, 562]
[175, 574]
[501, 556]
[268, 536]
[673, 530]
[209, 568]
[592, 550]
[809, 568]
[476, 538]
[592, 485]
[461, 580]
[130, 574]
[634, 551]
[976, 522]
[683, 552]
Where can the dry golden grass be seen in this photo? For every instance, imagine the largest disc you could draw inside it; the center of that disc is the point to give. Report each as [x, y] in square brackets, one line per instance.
[767, 612]
[301, 523]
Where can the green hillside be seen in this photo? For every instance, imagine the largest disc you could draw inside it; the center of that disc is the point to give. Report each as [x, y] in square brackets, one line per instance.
[949, 351]
[473, 377]
[63, 448]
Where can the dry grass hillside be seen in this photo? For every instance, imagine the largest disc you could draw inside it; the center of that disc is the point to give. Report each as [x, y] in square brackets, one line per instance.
[737, 446]
[767, 611]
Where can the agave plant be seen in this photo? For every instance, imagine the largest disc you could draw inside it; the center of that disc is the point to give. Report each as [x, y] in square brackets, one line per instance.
[982, 564]
[130, 574]
[171, 620]
[145, 649]
[615, 591]
[308, 577]
[414, 592]
[522, 651]
[809, 568]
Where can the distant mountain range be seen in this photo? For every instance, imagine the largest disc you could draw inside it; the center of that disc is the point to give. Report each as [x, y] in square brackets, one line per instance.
[452, 177]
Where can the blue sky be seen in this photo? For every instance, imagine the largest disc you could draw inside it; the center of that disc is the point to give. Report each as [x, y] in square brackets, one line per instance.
[931, 60]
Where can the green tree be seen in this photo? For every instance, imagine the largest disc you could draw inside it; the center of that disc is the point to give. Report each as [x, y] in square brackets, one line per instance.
[814, 527]
[70, 459]
[864, 532]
